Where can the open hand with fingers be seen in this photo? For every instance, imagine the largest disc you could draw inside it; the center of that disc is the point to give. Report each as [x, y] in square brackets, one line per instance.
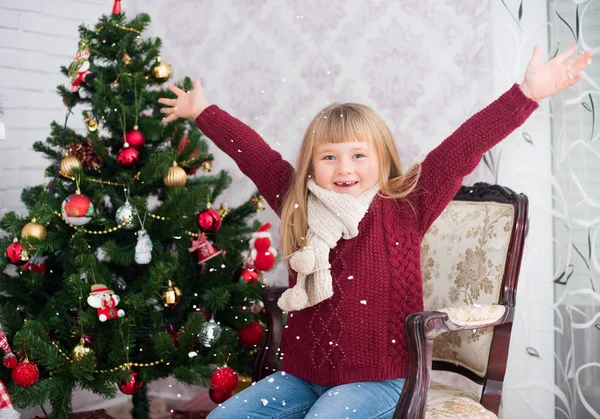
[186, 105]
[546, 79]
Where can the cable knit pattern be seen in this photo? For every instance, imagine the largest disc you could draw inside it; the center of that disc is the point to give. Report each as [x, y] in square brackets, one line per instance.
[358, 334]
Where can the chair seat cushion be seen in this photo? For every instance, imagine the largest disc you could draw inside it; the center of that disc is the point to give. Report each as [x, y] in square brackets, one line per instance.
[447, 402]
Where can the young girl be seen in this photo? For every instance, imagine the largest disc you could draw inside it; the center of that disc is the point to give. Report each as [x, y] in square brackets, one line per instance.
[351, 225]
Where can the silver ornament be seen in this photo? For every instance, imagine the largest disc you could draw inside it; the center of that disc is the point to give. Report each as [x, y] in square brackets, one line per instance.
[126, 213]
[210, 332]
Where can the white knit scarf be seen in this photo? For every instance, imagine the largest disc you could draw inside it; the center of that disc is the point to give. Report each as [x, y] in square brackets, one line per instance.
[331, 216]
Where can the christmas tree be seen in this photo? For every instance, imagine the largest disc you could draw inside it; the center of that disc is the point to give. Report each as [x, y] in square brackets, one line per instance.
[122, 272]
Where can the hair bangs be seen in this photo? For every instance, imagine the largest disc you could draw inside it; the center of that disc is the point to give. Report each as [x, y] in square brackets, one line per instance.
[342, 123]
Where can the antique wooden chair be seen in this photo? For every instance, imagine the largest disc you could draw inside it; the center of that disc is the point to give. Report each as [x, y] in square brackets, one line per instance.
[470, 259]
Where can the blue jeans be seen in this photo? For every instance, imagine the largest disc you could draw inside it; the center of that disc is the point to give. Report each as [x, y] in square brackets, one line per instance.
[282, 395]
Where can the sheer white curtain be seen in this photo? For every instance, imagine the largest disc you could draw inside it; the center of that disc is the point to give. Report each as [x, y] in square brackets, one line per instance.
[576, 170]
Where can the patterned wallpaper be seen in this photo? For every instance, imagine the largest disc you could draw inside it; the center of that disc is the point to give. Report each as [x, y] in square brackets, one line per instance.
[421, 65]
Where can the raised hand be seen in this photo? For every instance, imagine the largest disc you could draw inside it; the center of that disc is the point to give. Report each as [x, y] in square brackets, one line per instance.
[546, 79]
[187, 105]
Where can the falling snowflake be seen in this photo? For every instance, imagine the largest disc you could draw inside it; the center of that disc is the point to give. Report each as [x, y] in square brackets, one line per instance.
[270, 380]
[363, 302]
[264, 402]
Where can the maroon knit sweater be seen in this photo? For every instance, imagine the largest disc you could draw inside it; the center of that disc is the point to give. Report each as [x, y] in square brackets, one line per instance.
[358, 334]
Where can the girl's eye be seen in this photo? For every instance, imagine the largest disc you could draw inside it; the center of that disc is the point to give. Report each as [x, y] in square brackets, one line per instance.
[328, 158]
[359, 155]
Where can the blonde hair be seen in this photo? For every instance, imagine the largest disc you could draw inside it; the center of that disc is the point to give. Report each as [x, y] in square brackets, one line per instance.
[339, 123]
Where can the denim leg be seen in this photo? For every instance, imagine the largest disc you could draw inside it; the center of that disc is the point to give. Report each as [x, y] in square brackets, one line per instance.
[371, 399]
[280, 395]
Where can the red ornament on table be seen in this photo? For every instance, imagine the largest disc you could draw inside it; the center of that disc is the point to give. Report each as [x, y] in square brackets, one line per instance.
[25, 374]
[261, 251]
[205, 249]
[224, 379]
[132, 386]
[251, 334]
[116, 10]
[16, 254]
[134, 138]
[209, 220]
[219, 396]
[128, 157]
[250, 275]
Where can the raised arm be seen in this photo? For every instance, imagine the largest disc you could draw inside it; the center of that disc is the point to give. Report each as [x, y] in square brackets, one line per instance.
[445, 167]
[263, 165]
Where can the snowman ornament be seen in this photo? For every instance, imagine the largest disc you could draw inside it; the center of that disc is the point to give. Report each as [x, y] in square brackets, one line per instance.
[143, 248]
[105, 301]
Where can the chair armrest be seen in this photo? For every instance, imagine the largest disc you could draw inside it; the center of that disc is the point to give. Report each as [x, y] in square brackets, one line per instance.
[266, 360]
[421, 330]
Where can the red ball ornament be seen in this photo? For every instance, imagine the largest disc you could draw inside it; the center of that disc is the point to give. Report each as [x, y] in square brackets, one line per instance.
[128, 157]
[35, 264]
[224, 379]
[252, 334]
[16, 254]
[132, 386]
[25, 374]
[134, 138]
[77, 209]
[209, 220]
[219, 396]
[250, 275]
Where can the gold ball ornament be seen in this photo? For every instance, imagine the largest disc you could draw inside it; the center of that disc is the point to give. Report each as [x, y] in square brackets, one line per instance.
[81, 350]
[244, 382]
[33, 229]
[223, 211]
[175, 177]
[68, 164]
[172, 296]
[161, 71]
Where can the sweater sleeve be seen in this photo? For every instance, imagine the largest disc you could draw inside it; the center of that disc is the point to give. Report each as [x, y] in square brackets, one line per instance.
[264, 166]
[444, 168]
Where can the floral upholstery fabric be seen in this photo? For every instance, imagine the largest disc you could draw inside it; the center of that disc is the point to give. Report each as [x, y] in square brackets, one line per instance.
[463, 257]
[445, 402]
[475, 315]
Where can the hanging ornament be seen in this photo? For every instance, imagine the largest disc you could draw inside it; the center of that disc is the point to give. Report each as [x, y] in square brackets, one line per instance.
[81, 350]
[219, 396]
[134, 384]
[134, 138]
[126, 59]
[259, 202]
[251, 334]
[79, 70]
[36, 263]
[175, 177]
[128, 157]
[262, 253]
[35, 230]
[116, 10]
[85, 153]
[161, 71]
[77, 209]
[250, 275]
[143, 248]
[223, 210]
[224, 379]
[105, 301]
[68, 164]
[16, 254]
[210, 333]
[209, 220]
[206, 166]
[256, 307]
[126, 214]
[172, 296]
[9, 360]
[206, 250]
[91, 123]
[25, 374]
